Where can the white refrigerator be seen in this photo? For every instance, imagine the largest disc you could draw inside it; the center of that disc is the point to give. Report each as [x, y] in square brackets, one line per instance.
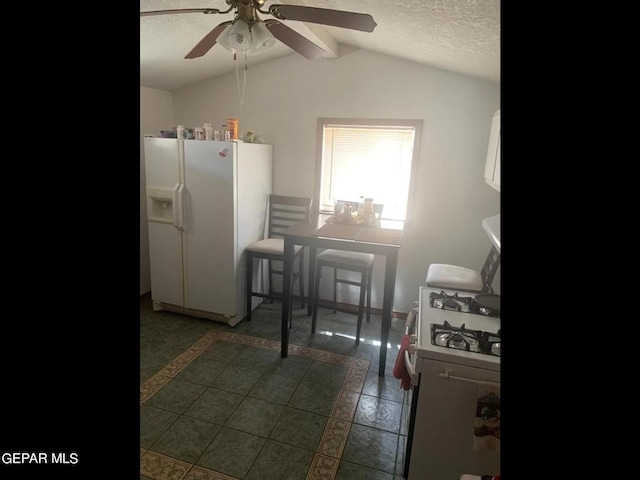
[206, 202]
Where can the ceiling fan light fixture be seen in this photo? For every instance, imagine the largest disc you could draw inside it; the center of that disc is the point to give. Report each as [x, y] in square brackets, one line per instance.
[261, 39]
[239, 36]
[247, 33]
[223, 39]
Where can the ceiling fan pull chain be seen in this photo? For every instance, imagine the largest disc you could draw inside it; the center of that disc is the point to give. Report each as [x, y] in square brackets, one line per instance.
[235, 62]
[244, 79]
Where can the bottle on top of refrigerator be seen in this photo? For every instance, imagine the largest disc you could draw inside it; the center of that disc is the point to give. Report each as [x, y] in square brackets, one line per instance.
[232, 124]
[208, 131]
[180, 132]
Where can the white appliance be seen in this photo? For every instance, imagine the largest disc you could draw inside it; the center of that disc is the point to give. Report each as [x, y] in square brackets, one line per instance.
[445, 384]
[206, 201]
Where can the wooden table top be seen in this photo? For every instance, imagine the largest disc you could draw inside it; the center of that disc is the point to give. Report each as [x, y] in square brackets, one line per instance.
[390, 233]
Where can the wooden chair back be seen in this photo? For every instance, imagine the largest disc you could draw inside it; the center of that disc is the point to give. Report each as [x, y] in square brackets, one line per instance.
[285, 211]
[490, 268]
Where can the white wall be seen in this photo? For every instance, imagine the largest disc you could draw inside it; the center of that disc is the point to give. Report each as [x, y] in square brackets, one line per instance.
[283, 99]
[156, 113]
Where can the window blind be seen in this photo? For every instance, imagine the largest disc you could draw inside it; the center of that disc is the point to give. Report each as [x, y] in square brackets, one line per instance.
[367, 161]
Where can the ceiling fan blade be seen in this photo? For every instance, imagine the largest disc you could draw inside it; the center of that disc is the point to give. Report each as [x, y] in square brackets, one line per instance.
[207, 42]
[179, 10]
[294, 40]
[336, 18]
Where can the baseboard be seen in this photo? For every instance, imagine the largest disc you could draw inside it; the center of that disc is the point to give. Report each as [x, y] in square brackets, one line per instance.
[350, 308]
[145, 297]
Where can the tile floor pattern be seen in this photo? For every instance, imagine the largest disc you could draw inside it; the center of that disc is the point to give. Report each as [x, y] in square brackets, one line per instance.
[218, 403]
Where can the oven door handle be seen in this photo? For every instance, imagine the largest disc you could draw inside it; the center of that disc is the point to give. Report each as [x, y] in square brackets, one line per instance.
[410, 321]
[447, 374]
[411, 368]
[410, 326]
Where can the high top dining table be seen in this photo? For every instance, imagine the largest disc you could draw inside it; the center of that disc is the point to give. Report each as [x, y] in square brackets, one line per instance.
[317, 233]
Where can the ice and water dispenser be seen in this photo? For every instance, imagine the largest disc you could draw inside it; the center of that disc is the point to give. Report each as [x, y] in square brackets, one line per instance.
[160, 203]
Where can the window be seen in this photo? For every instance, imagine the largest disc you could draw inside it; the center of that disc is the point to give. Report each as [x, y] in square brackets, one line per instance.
[367, 158]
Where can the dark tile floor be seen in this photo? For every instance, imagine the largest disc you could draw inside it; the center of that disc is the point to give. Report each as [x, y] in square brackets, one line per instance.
[218, 403]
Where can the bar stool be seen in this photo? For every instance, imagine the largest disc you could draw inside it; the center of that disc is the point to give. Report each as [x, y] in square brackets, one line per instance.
[462, 279]
[284, 211]
[348, 261]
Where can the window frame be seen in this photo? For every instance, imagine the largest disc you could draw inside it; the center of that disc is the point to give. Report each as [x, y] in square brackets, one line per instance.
[417, 124]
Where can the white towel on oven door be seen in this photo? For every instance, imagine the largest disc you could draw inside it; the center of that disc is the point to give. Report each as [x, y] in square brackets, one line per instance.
[486, 432]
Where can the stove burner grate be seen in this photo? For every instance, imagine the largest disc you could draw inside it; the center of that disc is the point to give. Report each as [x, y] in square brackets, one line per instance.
[459, 303]
[462, 338]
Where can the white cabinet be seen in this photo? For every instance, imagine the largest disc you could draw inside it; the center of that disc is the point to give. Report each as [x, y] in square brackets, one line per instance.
[492, 167]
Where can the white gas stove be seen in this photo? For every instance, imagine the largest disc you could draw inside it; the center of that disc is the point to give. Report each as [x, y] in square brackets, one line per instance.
[460, 337]
[453, 358]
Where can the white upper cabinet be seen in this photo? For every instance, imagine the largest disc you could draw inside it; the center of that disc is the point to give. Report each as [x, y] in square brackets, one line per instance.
[492, 167]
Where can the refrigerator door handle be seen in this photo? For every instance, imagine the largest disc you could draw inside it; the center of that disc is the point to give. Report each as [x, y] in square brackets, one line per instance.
[180, 207]
[174, 202]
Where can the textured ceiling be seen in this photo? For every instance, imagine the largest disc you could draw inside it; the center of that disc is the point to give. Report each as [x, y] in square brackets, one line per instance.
[458, 35]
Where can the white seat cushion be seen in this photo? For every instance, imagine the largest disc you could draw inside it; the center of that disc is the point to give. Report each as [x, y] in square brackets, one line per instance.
[454, 277]
[347, 258]
[271, 246]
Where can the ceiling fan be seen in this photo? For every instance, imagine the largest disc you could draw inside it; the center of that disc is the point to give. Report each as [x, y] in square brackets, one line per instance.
[248, 32]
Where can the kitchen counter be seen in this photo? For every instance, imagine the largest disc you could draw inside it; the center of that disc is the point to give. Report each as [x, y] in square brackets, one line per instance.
[491, 225]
